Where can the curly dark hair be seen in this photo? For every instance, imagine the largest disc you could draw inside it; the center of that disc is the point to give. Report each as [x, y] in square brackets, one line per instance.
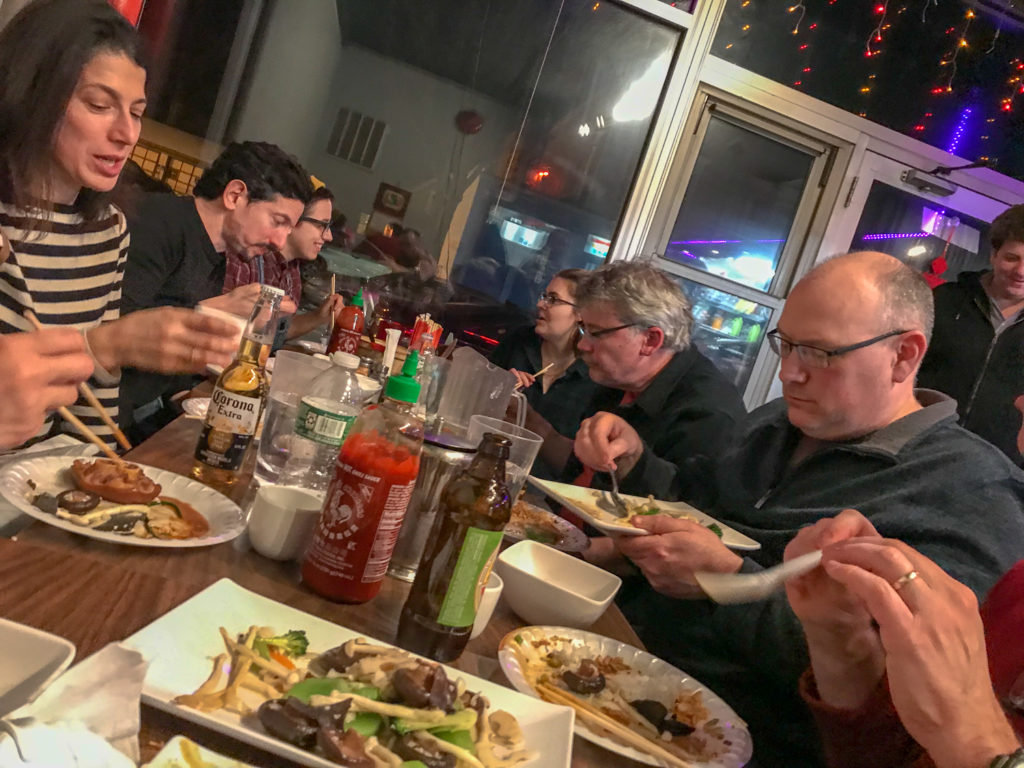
[43, 51]
[266, 169]
[1007, 226]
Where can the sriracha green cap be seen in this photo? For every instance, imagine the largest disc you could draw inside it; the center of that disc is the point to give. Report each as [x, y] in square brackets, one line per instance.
[357, 300]
[403, 386]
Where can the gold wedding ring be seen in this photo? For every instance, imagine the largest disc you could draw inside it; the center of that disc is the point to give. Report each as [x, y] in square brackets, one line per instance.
[903, 580]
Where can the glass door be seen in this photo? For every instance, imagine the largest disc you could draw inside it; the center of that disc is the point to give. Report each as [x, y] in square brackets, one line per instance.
[744, 202]
[887, 210]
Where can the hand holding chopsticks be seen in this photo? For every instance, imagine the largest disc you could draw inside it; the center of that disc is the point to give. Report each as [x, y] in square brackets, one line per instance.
[526, 379]
[95, 403]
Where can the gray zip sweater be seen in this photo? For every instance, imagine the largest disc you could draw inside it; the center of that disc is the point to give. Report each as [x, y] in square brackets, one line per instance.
[922, 479]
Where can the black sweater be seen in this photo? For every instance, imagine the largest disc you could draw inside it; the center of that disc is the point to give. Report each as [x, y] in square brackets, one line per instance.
[967, 361]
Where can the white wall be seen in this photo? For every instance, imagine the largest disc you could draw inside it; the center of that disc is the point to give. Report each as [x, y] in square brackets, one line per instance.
[421, 145]
[291, 82]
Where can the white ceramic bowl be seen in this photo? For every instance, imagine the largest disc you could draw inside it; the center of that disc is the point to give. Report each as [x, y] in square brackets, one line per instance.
[545, 586]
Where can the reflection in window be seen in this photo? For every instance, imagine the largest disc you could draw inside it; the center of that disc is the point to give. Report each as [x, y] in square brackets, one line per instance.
[943, 73]
[727, 329]
[739, 205]
[501, 138]
[937, 241]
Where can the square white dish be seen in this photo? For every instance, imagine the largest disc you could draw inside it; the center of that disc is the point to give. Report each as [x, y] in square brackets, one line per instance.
[180, 645]
[584, 502]
[32, 659]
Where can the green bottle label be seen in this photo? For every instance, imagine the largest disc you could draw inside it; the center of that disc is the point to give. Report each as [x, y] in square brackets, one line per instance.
[471, 569]
[321, 425]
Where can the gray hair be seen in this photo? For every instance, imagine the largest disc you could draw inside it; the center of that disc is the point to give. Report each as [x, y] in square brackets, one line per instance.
[642, 294]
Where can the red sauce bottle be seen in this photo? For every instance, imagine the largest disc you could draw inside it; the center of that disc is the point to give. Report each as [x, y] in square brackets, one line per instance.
[366, 501]
[348, 330]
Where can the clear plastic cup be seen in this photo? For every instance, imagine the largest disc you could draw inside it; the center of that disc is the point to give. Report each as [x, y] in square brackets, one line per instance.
[525, 445]
[293, 373]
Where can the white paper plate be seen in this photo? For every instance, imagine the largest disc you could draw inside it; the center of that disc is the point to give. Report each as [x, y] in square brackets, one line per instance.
[180, 644]
[31, 660]
[53, 475]
[196, 407]
[583, 501]
[570, 538]
[588, 644]
[181, 752]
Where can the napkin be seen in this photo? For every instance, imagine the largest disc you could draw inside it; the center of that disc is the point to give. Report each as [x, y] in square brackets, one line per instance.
[88, 717]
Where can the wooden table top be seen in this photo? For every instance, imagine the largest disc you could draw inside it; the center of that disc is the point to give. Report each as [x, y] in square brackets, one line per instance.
[93, 593]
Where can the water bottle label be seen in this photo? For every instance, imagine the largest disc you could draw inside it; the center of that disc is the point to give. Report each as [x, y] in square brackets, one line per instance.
[472, 570]
[321, 425]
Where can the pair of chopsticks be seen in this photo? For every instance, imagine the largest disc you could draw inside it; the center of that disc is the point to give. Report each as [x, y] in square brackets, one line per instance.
[96, 404]
[598, 719]
[518, 386]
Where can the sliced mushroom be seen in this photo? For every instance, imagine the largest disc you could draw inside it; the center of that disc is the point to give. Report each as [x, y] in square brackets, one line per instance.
[411, 748]
[288, 723]
[344, 748]
[333, 715]
[587, 679]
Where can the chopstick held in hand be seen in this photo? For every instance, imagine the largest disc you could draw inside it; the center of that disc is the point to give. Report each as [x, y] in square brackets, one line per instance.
[95, 403]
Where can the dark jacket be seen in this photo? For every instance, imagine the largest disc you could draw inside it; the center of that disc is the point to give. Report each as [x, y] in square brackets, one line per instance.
[689, 409]
[966, 360]
[923, 479]
[565, 403]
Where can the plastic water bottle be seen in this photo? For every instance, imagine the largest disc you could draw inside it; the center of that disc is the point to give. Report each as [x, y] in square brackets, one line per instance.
[325, 414]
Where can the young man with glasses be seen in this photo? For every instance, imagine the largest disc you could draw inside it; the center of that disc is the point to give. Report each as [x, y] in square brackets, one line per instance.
[849, 431]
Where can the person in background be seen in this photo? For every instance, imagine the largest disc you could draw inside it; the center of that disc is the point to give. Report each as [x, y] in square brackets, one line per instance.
[849, 431]
[904, 670]
[974, 356]
[636, 345]
[562, 393]
[72, 94]
[282, 269]
[246, 203]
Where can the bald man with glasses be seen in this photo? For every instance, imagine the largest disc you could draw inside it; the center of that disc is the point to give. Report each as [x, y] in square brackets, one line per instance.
[851, 431]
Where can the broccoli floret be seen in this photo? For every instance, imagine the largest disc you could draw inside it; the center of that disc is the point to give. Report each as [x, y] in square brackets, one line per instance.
[292, 643]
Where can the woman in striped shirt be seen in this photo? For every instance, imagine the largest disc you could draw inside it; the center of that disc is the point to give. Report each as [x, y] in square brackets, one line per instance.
[72, 94]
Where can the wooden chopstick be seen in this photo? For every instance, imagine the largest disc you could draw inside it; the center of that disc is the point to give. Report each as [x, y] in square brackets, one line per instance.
[596, 717]
[332, 310]
[538, 373]
[95, 403]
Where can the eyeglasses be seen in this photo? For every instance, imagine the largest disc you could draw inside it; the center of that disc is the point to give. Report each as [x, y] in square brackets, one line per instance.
[553, 299]
[589, 334]
[816, 357]
[324, 225]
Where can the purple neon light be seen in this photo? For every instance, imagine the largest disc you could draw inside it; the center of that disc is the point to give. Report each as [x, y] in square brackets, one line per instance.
[958, 132]
[718, 242]
[894, 235]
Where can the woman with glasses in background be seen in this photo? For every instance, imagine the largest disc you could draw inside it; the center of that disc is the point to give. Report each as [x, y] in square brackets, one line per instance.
[563, 391]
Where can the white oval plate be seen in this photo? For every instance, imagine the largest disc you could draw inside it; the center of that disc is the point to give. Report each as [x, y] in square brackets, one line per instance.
[584, 501]
[53, 475]
[580, 644]
[570, 538]
[181, 752]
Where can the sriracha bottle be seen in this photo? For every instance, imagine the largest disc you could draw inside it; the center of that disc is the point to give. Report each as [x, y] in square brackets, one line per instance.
[348, 330]
[367, 498]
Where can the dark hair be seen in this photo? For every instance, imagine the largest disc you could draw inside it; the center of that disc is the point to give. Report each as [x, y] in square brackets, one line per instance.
[266, 170]
[43, 51]
[1007, 226]
[321, 193]
[573, 277]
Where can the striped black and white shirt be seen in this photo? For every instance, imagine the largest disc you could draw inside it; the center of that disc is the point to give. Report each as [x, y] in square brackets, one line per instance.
[68, 271]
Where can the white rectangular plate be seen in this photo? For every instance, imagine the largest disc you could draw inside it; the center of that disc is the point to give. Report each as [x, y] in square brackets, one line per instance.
[181, 644]
[583, 501]
[31, 660]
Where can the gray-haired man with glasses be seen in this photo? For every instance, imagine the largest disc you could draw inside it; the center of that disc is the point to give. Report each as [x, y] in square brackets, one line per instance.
[850, 431]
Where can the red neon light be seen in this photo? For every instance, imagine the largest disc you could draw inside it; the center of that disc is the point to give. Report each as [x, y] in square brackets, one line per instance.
[488, 339]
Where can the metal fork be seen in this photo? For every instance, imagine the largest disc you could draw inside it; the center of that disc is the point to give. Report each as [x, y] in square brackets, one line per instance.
[620, 505]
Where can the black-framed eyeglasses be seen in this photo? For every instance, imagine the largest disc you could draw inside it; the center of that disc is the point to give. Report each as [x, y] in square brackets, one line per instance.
[589, 334]
[553, 299]
[816, 357]
[324, 225]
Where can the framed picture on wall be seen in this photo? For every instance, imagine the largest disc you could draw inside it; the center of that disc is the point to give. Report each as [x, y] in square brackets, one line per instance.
[392, 200]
